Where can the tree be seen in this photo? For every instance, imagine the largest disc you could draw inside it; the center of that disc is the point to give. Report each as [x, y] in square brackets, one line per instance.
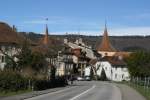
[53, 71]
[38, 61]
[31, 63]
[103, 76]
[25, 56]
[139, 63]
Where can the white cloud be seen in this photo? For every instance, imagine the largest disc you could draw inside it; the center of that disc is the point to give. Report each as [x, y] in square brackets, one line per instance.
[74, 26]
[127, 31]
[131, 31]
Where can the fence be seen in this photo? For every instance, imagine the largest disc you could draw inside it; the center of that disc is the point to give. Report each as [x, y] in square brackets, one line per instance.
[141, 82]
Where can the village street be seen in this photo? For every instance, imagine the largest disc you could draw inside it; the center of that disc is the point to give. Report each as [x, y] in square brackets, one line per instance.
[90, 91]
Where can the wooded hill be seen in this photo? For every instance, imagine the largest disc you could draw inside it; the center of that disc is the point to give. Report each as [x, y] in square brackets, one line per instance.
[121, 43]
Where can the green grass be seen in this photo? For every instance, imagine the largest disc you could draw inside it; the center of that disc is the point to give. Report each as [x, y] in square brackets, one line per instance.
[141, 90]
[14, 93]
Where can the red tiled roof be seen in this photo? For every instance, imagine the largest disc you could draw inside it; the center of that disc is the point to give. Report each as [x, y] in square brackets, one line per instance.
[10, 36]
[77, 51]
[40, 48]
[7, 35]
[114, 60]
[105, 44]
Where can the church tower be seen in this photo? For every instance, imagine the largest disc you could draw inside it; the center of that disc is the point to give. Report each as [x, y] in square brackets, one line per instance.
[105, 48]
[46, 38]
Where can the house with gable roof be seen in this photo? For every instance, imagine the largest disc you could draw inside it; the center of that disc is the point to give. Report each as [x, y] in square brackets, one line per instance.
[111, 61]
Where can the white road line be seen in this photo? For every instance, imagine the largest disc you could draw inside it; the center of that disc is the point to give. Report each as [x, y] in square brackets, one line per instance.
[77, 96]
[59, 91]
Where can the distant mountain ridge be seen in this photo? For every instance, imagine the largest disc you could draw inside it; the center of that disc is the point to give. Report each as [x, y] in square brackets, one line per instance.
[121, 43]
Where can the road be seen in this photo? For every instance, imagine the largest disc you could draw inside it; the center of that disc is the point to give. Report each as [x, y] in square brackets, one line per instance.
[84, 91]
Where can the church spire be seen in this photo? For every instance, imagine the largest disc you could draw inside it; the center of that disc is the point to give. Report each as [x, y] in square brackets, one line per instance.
[106, 33]
[46, 39]
[105, 44]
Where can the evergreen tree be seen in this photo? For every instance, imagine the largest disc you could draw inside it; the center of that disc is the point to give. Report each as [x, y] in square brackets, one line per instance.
[103, 76]
[53, 71]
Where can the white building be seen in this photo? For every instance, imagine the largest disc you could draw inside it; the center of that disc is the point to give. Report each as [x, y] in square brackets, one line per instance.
[9, 40]
[65, 62]
[115, 69]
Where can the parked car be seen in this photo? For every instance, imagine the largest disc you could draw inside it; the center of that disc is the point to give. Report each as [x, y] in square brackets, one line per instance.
[80, 78]
[87, 78]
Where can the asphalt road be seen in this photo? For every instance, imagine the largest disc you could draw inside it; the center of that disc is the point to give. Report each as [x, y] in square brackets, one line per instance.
[84, 91]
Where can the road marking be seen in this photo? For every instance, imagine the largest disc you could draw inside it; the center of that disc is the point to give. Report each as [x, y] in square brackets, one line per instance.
[77, 96]
[61, 90]
[32, 98]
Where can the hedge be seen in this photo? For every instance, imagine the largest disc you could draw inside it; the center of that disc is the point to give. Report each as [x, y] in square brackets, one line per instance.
[47, 84]
[11, 81]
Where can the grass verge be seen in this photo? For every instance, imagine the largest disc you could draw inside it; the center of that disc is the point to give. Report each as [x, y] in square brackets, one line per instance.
[13, 93]
[141, 89]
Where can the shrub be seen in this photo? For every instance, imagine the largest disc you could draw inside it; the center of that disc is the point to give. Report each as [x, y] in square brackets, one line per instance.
[11, 81]
[47, 84]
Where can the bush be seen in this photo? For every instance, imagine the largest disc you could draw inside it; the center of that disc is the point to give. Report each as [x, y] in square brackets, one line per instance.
[47, 84]
[139, 64]
[11, 81]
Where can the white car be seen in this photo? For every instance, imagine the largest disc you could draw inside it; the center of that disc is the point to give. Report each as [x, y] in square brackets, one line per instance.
[80, 79]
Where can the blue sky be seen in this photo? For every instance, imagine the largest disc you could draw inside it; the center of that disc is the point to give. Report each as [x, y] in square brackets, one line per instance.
[124, 17]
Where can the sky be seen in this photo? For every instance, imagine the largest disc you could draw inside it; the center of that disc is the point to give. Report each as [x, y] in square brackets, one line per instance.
[85, 17]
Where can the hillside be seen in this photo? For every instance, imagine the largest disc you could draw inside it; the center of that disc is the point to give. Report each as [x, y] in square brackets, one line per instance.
[125, 43]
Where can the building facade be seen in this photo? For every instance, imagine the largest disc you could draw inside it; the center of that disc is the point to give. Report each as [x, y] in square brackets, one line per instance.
[114, 68]
[65, 63]
[9, 44]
